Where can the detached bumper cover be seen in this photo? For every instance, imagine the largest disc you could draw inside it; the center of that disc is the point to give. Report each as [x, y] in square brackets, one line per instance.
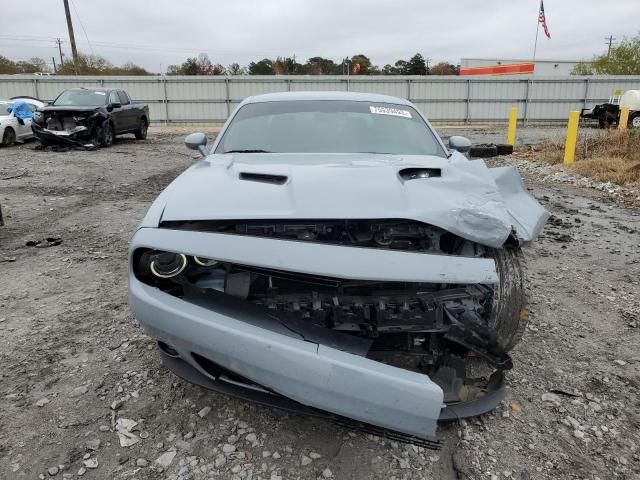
[311, 374]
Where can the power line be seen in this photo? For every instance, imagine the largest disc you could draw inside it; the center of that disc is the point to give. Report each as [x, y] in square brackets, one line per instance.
[75, 9]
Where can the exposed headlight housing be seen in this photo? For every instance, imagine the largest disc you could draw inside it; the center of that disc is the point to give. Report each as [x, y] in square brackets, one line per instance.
[162, 265]
[205, 262]
[168, 265]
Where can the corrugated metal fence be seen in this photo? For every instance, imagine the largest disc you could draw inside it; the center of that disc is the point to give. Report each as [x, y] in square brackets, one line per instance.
[443, 99]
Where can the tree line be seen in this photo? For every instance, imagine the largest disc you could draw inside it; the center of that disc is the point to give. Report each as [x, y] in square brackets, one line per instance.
[85, 65]
[356, 65]
[202, 65]
[624, 59]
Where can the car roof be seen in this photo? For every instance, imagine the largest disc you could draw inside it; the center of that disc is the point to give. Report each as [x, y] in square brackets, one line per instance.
[344, 96]
[96, 89]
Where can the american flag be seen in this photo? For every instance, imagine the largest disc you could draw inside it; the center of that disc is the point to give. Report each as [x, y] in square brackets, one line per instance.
[543, 20]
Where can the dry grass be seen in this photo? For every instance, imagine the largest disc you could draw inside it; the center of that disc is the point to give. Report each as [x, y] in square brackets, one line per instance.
[607, 156]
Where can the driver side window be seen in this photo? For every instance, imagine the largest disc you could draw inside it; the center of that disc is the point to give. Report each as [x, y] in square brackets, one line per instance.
[113, 97]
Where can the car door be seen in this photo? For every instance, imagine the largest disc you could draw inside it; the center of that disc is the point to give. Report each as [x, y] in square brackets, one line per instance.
[24, 127]
[129, 111]
[118, 115]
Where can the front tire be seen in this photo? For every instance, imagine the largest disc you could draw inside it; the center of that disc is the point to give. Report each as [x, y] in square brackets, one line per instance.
[634, 120]
[9, 137]
[508, 312]
[107, 136]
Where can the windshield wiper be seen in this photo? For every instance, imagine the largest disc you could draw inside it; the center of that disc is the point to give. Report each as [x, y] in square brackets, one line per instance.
[378, 153]
[247, 151]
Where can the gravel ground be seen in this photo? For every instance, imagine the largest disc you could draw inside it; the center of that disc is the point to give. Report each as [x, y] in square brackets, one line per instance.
[79, 378]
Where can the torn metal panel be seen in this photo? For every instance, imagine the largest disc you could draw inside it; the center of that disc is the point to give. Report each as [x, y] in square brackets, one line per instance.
[527, 215]
[323, 260]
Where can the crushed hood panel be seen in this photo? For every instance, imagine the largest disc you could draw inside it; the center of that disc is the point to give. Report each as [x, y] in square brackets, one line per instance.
[467, 199]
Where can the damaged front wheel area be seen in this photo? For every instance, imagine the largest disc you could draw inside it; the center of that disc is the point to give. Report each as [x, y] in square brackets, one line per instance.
[103, 135]
[508, 316]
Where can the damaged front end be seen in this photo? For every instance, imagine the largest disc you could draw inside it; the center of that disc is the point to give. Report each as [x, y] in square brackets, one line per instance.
[397, 322]
[74, 128]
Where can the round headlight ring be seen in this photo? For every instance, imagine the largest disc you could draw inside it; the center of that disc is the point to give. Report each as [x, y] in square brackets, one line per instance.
[205, 262]
[179, 268]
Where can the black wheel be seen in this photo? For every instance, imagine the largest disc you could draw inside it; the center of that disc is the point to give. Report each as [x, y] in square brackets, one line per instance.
[107, 135]
[141, 133]
[483, 151]
[96, 138]
[9, 137]
[504, 149]
[508, 312]
[634, 120]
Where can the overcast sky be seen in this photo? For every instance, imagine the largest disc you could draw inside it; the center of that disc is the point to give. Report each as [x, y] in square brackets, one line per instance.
[160, 32]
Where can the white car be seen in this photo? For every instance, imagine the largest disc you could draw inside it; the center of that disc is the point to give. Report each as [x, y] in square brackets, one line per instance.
[13, 129]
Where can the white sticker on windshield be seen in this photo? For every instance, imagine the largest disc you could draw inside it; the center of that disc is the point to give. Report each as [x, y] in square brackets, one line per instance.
[100, 93]
[396, 112]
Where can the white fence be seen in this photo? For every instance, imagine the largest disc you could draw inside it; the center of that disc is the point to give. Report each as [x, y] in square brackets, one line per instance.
[189, 99]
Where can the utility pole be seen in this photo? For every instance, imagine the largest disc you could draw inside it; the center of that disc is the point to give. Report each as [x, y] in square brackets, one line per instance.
[72, 39]
[55, 70]
[59, 42]
[610, 41]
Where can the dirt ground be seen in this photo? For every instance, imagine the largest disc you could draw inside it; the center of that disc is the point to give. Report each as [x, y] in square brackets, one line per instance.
[73, 361]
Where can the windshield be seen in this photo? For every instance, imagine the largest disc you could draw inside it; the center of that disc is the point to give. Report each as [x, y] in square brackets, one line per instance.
[4, 108]
[329, 126]
[81, 98]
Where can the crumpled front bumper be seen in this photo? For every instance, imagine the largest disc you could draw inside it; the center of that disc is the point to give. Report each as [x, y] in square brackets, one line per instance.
[77, 137]
[256, 345]
[311, 374]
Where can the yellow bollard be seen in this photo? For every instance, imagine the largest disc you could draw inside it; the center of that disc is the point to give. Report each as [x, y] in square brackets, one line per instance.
[624, 118]
[572, 137]
[513, 120]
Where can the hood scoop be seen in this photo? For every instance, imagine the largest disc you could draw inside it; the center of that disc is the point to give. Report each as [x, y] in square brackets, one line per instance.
[415, 173]
[264, 178]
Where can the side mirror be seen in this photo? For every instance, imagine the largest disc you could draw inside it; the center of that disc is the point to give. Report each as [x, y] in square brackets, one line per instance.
[197, 141]
[461, 144]
[111, 106]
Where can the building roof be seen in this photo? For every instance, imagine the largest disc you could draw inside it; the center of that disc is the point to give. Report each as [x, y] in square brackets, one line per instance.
[522, 60]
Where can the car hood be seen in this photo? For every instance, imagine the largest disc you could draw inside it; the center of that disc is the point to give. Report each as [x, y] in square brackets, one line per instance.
[465, 199]
[53, 108]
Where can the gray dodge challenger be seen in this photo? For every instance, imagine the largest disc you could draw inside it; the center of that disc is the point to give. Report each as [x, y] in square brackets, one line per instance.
[331, 256]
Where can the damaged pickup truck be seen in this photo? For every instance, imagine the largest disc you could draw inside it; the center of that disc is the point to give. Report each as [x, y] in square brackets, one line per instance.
[331, 256]
[89, 118]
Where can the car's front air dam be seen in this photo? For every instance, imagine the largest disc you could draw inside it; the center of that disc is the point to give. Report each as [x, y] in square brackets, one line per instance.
[311, 374]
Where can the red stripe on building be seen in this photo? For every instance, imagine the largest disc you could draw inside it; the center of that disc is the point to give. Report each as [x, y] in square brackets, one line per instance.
[511, 69]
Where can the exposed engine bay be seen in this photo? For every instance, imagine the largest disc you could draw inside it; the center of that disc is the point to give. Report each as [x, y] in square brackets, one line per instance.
[441, 330]
[79, 129]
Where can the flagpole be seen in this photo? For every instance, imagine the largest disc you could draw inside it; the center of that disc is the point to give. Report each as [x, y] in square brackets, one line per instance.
[535, 45]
